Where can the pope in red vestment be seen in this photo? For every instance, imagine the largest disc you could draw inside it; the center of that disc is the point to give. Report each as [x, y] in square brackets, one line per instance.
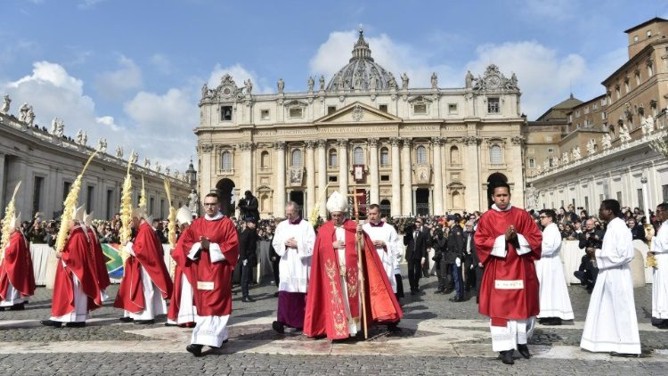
[74, 261]
[149, 255]
[508, 242]
[329, 304]
[16, 270]
[101, 273]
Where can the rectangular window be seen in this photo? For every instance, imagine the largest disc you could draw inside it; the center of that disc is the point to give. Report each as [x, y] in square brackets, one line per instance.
[619, 196]
[162, 208]
[151, 205]
[90, 198]
[264, 114]
[664, 188]
[550, 150]
[532, 163]
[331, 110]
[641, 204]
[37, 194]
[587, 203]
[383, 107]
[452, 108]
[420, 108]
[110, 203]
[226, 113]
[332, 179]
[603, 115]
[384, 177]
[296, 112]
[493, 105]
[66, 189]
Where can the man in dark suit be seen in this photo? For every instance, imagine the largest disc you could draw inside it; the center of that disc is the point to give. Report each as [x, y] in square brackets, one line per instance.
[454, 256]
[247, 257]
[415, 240]
[248, 206]
[472, 266]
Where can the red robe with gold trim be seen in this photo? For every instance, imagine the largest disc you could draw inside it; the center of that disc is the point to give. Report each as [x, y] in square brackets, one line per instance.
[16, 267]
[218, 300]
[78, 261]
[102, 275]
[175, 300]
[149, 254]
[502, 304]
[325, 311]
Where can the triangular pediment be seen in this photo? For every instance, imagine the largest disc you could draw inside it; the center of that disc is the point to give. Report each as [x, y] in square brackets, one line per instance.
[358, 113]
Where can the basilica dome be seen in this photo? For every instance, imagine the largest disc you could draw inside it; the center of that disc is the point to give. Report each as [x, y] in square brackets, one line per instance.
[361, 72]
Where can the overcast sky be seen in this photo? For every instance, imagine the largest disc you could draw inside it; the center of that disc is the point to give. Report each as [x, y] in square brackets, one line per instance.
[132, 70]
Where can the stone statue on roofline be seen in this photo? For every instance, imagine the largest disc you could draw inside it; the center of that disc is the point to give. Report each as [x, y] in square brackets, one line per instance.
[5, 105]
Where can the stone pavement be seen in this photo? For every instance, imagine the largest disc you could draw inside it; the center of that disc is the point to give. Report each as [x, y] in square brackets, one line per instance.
[438, 337]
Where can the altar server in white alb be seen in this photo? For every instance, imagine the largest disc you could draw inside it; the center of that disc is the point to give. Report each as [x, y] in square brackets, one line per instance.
[386, 240]
[555, 304]
[612, 324]
[293, 243]
[660, 263]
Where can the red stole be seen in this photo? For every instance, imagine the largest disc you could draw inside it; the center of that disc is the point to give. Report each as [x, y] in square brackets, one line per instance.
[325, 311]
[102, 275]
[211, 282]
[16, 267]
[149, 254]
[78, 261]
[502, 304]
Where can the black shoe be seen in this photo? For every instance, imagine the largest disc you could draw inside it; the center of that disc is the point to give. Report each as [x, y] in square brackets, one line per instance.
[414, 292]
[439, 292]
[448, 291]
[171, 324]
[393, 328]
[552, 321]
[456, 299]
[144, 322]
[55, 324]
[622, 355]
[196, 350]
[579, 275]
[18, 307]
[278, 327]
[81, 324]
[507, 357]
[126, 319]
[524, 350]
[247, 299]
[276, 294]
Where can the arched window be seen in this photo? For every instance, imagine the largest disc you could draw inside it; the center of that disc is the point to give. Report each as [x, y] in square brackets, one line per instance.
[421, 154]
[454, 155]
[296, 158]
[384, 157]
[358, 156]
[333, 158]
[264, 160]
[495, 155]
[226, 161]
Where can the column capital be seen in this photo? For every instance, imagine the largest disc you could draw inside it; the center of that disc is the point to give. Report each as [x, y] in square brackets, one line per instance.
[373, 142]
[342, 142]
[395, 141]
[310, 144]
[245, 146]
[322, 143]
[437, 141]
[472, 140]
[407, 143]
[517, 140]
[280, 145]
[206, 148]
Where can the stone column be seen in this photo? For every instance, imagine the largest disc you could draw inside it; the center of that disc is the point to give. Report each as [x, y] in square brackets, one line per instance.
[247, 166]
[517, 175]
[208, 167]
[473, 179]
[343, 166]
[373, 171]
[395, 210]
[279, 204]
[406, 179]
[310, 178]
[322, 177]
[438, 177]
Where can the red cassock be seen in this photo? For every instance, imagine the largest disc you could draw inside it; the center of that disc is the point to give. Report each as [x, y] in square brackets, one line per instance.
[149, 254]
[216, 298]
[325, 311]
[503, 304]
[101, 273]
[175, 300]
[78, 261]
[17, 267]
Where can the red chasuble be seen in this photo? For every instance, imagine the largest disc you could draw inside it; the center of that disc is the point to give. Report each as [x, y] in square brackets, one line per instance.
[211, 282]
[149, 254]
[509, 288]
[325, 312]
[102, 275]
[17, 267]
[175, 300]
[78, 261]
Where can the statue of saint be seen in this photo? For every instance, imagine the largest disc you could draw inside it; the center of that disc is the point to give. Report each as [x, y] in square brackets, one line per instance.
[147, 163]
[281, 85]
[624, 135]
[30, 117]
[469, 80]
[193, 201]
[310, 83]
[404, 81]
[23, 112]
[606, 141]
[249, 86]
[576, 153]
[205, 91]
[322, 82]
[434, 81]
[591, 146]
[5, 105]
[119, 152]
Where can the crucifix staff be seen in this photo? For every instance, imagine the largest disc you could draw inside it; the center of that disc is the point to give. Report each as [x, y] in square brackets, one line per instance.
[359, 247]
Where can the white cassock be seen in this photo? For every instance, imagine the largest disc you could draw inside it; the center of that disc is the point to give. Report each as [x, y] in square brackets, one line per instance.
[389, 254]
[155, 303]
[295, 264]
[554, 299]
[612, 324]
[660, 283]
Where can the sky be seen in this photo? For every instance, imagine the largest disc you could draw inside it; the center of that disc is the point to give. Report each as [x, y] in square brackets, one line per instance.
[131, 71]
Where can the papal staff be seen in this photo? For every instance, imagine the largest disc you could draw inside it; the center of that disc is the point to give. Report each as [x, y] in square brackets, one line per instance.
[359, 248]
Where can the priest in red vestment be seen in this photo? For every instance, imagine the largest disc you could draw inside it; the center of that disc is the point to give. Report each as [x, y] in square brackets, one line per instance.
[208, 251]
[75, 290]
[508, 242]
[17, 280]
[101, 273]
[181, 304]
[146, 282]
[334, 300]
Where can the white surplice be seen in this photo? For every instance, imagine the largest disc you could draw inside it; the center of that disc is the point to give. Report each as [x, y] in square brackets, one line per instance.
[660, 282]
[612, 324]
[294, 266]
[391, 253]
[155, 303]
[554, 299]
